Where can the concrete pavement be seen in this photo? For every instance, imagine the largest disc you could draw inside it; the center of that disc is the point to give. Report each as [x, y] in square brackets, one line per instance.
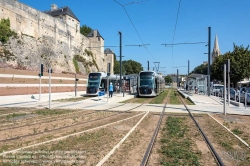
[213, 104]
[203, 104]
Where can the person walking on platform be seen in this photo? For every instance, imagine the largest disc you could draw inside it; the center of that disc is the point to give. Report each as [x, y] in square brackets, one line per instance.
[110, 90]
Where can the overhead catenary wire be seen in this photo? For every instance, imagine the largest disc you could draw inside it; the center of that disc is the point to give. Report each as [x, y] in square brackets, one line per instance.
[175, 30]
[183, 43]
[134, 26]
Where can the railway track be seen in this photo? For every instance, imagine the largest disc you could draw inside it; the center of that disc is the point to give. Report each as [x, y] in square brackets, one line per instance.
[152, 141]
[210, 146]
[115, 114]
[40, 121]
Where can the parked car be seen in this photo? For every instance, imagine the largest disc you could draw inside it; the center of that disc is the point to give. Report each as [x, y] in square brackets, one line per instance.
[215, 89]
[232, 93]
[242, 92]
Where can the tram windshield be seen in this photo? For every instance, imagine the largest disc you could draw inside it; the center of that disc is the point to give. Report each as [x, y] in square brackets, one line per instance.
[146, 79]
[94, 79]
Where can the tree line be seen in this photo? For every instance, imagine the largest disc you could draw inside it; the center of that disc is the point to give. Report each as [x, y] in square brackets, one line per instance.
[239, 65]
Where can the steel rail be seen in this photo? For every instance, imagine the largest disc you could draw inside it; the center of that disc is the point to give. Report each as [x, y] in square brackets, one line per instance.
[210, 146]
[64, 127]
[151, 144]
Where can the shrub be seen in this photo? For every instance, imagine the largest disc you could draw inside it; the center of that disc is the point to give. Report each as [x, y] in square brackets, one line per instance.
[5, 31]
[76, 65]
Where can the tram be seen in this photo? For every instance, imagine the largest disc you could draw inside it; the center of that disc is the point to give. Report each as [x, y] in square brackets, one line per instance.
[150, 84]
[97, 81]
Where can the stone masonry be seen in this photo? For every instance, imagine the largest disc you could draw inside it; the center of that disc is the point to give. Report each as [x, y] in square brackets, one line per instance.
[49, 40]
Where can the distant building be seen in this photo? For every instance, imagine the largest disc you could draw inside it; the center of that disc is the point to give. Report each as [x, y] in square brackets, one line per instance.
[216, 49]
[110, 58]
[65, 15]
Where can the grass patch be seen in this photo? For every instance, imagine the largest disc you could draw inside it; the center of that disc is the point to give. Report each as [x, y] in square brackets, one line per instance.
[15, 115]
[176, 148]
[160, 98]
[47, 112]
[4, 148]
[174, 97]
[72, 99]
[225, 144]
[141, 100]
[135, 100]
[237, 131]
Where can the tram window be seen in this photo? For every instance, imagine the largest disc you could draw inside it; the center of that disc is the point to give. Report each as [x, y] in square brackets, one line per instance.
[102, 83]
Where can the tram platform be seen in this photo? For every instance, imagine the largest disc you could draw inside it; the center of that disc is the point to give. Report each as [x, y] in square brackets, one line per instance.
[213, 104]
[202, 103]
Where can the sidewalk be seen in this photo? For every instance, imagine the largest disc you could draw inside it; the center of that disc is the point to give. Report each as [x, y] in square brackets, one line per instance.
[98, 102]
[44, 97]
[213, 104]
[203, 104]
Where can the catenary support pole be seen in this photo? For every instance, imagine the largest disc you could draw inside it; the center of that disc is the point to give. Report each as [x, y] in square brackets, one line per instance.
[228, 76]
[225, 84]
[208, 66]
[107, 89]
[177, 80]
[120, 84]
[40, 80]
[75, 85]
[49, 88]
[148, 65]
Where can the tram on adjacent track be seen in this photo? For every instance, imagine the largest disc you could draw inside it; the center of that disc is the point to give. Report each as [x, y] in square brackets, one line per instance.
[99, 81]
[150, 84]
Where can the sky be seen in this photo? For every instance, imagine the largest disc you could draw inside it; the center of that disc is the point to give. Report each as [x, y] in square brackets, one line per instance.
[146, 25]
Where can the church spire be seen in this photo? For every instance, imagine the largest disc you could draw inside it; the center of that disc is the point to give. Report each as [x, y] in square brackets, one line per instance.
[216, 49]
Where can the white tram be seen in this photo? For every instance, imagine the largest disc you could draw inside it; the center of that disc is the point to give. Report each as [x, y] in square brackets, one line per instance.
[150, 84]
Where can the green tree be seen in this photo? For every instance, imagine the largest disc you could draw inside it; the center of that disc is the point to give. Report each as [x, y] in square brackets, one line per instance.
[5, 31]
[128, 67]
[131, 67]
[85, 30]
[202, 69]
[168, 80]
[239, 64]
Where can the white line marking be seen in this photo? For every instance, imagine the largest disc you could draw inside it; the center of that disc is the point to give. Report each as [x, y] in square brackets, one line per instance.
[231, 132]
[119, 144]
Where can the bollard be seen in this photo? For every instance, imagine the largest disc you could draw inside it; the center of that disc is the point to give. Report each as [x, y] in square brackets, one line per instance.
[239, 99]
[245, 100]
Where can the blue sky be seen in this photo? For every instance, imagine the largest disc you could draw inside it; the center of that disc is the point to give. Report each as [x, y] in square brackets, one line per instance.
[154, 23]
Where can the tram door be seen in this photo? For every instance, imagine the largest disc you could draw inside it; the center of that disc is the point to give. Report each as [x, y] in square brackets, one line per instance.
[126, 85]
[103, 86]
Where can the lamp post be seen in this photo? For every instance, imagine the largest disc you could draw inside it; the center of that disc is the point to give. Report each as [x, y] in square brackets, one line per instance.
[120, 84]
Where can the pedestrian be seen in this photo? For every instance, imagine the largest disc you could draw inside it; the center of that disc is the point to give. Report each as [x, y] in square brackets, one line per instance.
[117, 87]
[110, 90]
[196, 90]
